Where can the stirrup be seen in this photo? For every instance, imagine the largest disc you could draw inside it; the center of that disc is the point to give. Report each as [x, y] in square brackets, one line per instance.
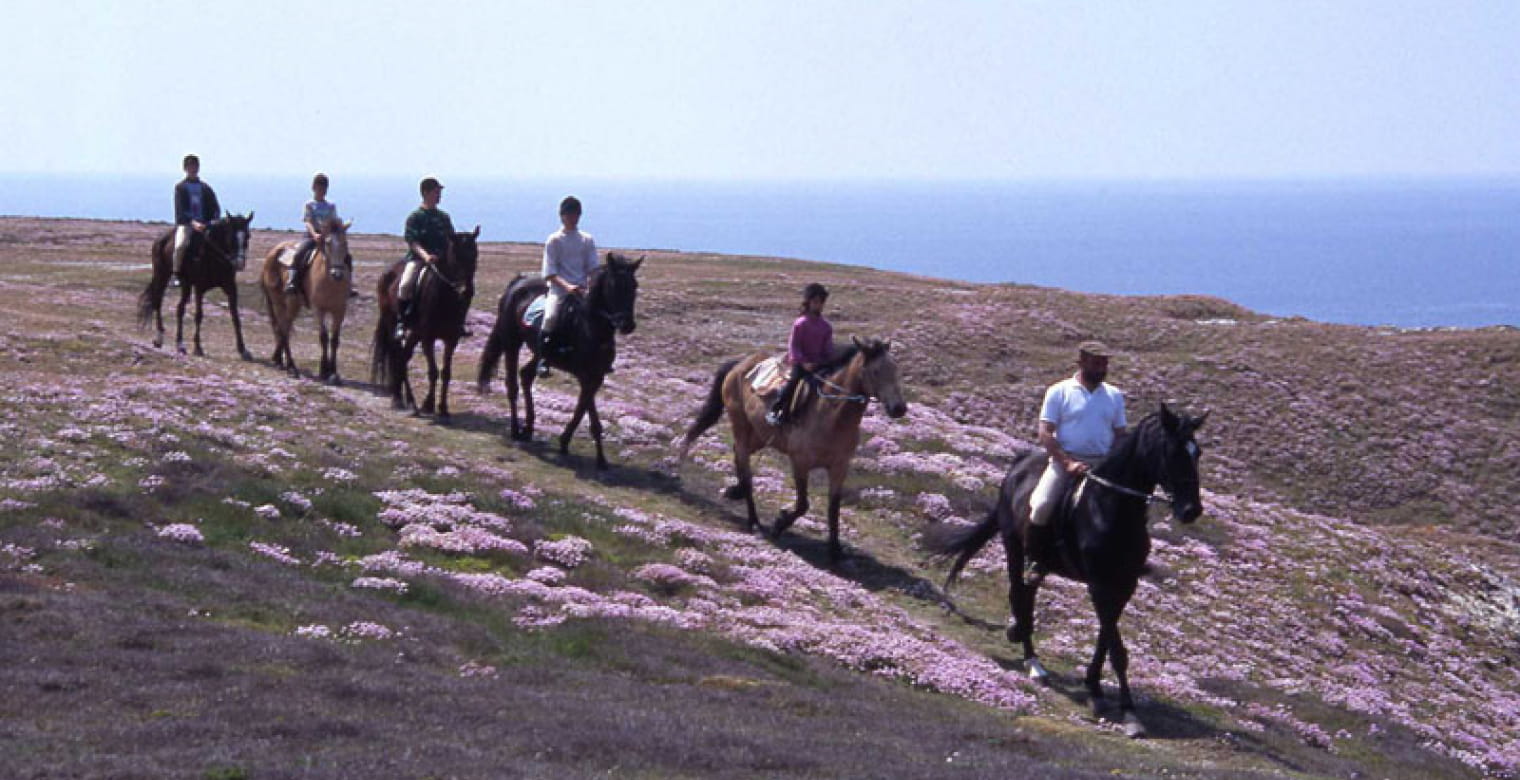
[174, 280]
[542, 369]
[774, 418]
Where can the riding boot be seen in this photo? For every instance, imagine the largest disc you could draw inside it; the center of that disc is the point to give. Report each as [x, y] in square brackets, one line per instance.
[294, 285]
[403, 318]
[1037, 541]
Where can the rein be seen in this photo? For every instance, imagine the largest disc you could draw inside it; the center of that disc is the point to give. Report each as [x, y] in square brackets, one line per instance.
[1128, 491]
[842, 395]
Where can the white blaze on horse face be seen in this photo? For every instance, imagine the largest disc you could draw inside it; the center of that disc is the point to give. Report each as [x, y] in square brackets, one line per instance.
[1192, 449]
[242, 248]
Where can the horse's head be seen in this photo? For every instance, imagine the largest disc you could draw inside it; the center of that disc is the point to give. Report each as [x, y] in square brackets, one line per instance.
[229, 236]
[334, 243]
[1178, 469]
[466, 255]
[615, 290]
[879, 376]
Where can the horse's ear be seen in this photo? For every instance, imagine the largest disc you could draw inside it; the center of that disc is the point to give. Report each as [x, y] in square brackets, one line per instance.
[638, 262]
[856, 341]
[477, 231]
[1168, 418]
[1198, 423]
[250, 217]
[347, 225]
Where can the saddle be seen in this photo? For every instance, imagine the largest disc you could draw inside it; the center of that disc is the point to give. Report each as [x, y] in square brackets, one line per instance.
[1055, 553]
[570, 312]
[769, 375]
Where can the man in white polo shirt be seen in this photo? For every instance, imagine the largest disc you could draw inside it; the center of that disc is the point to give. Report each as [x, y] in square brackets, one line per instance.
[1078, 422]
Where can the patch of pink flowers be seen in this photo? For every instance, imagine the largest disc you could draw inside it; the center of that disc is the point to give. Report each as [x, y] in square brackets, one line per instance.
[184, 533]
[275, 552]
[568, 552]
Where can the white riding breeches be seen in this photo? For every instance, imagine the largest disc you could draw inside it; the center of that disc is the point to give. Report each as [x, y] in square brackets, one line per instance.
[1048, 491]
[409, 279]
[182, 235]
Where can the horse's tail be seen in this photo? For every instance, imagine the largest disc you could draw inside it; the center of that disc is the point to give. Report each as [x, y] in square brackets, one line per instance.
[496, 343]
[383, 346]
[711, 409]
[943, 540]
[153, 295]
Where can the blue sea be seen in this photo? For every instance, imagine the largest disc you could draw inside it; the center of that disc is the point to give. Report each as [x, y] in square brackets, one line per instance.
[1408, 253]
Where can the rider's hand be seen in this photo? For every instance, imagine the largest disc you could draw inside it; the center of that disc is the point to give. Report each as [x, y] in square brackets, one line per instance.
[1076, 468]
[576, 289]
[197, 226]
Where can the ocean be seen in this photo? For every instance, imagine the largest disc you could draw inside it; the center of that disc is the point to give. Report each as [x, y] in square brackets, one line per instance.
[1406, 253]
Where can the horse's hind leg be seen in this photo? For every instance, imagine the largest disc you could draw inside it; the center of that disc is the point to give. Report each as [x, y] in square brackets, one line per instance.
[527, 376]
[1021, 595]
[744, 486]
[432, 361]
[332, 357]
[837, 474]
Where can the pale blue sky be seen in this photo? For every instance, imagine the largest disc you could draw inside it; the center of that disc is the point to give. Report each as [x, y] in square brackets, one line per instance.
[728, 90]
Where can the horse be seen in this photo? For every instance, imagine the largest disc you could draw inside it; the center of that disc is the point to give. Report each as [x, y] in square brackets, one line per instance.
[324, 288]
[443, 295]
[824, 435]
[1100, 533]
[213, 260]
[590, 333]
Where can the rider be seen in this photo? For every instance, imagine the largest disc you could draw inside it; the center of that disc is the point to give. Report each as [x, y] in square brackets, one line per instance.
[810, 345]
[318, 214]
[429, 237]
[194, 206]
[569, 259]
[1079, 420]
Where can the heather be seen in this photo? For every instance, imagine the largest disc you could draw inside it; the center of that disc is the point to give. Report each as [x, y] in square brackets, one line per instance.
[173, 527]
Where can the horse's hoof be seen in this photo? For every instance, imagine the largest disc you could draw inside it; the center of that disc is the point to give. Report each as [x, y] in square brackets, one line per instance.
[1133, 728]
[444, 418]
[158, 343]
[334, 381]
[735, 492]
[182, 350]
[1036, 671]
[200, 352]
[246, 355]
[602, 464]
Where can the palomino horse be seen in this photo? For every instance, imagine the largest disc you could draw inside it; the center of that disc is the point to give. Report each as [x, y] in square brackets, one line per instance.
[824, 436]
[213, 260]
[442, 298]
[325, 288]
[1102, 539]
[589, 334]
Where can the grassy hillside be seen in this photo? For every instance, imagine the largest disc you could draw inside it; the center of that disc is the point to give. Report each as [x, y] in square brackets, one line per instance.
[209, 569]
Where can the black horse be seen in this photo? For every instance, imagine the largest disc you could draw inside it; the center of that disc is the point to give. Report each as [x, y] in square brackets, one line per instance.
[1101, 539]
[212, 261]
[589, 336]
[442, 299]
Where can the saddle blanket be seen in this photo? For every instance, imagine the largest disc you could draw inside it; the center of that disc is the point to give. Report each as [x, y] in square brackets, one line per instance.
[287, 256]
[533, 316]
[768, 375]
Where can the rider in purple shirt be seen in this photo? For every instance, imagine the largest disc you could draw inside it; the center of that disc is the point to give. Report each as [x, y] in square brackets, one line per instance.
[810, 346]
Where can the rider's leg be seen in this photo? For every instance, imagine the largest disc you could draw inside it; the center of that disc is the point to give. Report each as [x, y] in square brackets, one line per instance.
[780, 408]
[297, 266]
[181, 244]
[552, 306]
[404, 293]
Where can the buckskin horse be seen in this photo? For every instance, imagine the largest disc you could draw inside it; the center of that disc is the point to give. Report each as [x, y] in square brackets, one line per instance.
[212, 261]
[443, 294]
[324, 288]
[824, 435]
[1101, 539]
[591, 335]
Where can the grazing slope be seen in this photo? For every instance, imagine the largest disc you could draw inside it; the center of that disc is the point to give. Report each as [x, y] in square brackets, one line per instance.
[210, 569]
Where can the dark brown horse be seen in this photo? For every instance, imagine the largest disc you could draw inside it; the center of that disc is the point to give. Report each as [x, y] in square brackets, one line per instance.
[1102, 538]
[212, 261]
[824, 434]
[589, 333]
[443, 295]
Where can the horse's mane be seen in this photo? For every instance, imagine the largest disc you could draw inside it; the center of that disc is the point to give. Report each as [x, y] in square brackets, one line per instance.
[839, 361]
[1125, 444]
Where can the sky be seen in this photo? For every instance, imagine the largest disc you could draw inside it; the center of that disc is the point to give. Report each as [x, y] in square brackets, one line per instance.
[944, 90]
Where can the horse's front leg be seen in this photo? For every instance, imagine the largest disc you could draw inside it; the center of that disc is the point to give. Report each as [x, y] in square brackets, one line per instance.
[596, 423]
[528, 376]
[324, 337]
[744, 481]
[786, 517]
[200, 301]
[511, 381]
[332, 362]
[179, 324]
[237, 321]
[582, 403]
[446, 375]
[837, 473]
[1110, 602]
[432, 363]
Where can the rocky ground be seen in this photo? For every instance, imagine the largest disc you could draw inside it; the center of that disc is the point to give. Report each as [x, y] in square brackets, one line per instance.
[210, 569]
